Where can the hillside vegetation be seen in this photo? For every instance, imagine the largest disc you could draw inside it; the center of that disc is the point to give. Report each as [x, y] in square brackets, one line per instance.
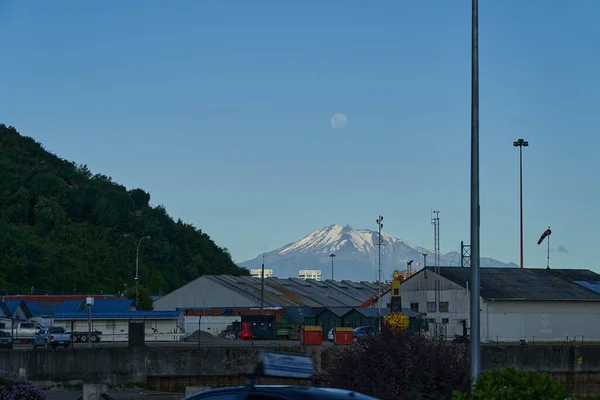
[62, 230]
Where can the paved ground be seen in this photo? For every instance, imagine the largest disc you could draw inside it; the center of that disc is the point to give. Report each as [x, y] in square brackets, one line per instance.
[214, 343]
[121, 395]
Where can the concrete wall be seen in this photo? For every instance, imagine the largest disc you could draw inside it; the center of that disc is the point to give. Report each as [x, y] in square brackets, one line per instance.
[121, 366]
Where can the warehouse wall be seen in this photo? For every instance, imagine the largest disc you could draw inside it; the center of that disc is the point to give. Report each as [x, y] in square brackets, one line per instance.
[510, 321]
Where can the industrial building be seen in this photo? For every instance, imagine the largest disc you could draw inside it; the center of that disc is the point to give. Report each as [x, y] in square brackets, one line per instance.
[305, 274]
[257, 273]
[516, 304]
[222, 291]
[109, 314]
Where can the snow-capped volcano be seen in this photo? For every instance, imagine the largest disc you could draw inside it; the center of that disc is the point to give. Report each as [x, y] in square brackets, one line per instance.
[356, 255]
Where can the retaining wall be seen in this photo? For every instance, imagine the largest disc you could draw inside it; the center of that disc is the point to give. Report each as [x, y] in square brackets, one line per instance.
[576, 365]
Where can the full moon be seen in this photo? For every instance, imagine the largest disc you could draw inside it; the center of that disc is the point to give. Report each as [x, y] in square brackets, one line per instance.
[338, 121]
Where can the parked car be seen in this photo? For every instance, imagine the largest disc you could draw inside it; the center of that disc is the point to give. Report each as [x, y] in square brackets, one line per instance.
[330, 335]
[52, 337]
[6, 340]
[363, 333]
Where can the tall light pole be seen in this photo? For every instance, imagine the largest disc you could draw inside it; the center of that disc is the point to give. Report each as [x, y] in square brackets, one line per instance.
[137, 261]
[520, 144]
[332, 256]
[475, 355]
[262, 286]
[379, 222]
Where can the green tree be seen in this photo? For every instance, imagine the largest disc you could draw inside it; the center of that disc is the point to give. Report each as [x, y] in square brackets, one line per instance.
[62, 227]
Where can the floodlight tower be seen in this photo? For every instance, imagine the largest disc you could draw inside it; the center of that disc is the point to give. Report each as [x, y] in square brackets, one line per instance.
[520, 144]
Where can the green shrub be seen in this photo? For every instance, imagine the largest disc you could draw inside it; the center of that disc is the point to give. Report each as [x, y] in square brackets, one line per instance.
[510, 384]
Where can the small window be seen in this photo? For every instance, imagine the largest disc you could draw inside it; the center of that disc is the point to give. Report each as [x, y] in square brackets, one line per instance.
[445, 320]
[444, 306]
[431, 320]
[396, 291]
[414, 307]
[2, 325]
[430, 306]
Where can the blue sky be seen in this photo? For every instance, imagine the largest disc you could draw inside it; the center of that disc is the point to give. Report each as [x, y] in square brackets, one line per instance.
[221, 110]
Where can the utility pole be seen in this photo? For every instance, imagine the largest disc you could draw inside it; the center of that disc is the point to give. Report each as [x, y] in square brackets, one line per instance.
[137, 262]
[475, 355]
[435, 221]
[262, 287]
[332, 256]
[379, 222]
[520, 144]
[89, 301]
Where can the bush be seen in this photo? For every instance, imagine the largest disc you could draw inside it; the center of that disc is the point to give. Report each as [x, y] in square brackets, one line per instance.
[14, 388]
[398, 365]
[509, 384]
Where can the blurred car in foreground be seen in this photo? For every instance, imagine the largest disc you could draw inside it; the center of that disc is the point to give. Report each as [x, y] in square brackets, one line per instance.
[282, 366]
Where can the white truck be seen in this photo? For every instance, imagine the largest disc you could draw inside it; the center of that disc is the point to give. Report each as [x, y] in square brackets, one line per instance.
[24, 332]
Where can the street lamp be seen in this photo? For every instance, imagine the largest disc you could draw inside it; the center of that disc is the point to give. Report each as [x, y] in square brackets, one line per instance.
[520, 144]
[332, 256]
[137, 260]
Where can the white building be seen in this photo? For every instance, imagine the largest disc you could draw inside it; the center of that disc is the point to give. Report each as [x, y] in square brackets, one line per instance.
[305, 274]
[257, 273]
[516, 304]
[159, 325]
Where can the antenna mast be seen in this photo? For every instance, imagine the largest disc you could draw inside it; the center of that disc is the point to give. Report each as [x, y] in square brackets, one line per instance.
[379, 222]
[435, 220]
[262, 287]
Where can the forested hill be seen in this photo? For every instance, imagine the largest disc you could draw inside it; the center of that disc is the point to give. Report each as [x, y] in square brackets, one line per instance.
[62, 230]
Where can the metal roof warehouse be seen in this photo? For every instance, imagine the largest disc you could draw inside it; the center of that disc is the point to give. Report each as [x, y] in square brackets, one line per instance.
[228, 291]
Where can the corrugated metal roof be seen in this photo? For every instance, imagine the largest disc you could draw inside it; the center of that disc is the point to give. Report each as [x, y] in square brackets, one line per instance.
[295, 292]
[529, 284]
[372, 311]
[12, 305]
[69, 306]
[42, 308]
[121, 315]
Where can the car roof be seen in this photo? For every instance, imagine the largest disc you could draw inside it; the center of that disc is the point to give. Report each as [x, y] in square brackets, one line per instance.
[301, 392]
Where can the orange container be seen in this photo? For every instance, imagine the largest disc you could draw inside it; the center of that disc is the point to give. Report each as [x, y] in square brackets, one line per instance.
[343, 336]
[311, 336]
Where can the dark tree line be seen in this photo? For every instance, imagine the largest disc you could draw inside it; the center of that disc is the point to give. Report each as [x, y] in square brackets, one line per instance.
[62, 227]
